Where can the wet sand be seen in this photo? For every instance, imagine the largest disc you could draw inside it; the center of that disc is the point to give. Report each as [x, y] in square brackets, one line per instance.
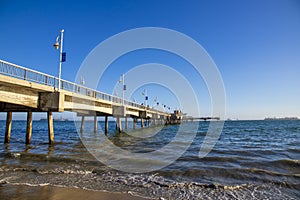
[24, 192]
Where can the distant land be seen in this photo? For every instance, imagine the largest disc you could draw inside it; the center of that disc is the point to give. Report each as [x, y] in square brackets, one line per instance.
[281, 118]
[55, 119]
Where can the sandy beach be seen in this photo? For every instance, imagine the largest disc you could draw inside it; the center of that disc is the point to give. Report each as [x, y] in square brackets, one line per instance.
[24, 192]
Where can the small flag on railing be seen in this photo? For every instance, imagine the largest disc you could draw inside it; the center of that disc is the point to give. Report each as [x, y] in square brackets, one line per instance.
[63, 56]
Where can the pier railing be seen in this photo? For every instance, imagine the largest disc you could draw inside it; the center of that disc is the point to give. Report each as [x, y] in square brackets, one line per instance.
[16, 71]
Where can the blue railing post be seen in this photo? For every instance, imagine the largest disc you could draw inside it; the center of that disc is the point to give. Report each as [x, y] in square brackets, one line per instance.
[25, 74]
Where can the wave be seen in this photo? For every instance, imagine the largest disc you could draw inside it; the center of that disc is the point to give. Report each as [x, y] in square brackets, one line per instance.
[61, 158]
[293, 150]
[152, 185]
[287, 163]
[210, 159]
[65, 171]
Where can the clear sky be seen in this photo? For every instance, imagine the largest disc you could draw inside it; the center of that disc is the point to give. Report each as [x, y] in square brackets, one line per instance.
[255, 44]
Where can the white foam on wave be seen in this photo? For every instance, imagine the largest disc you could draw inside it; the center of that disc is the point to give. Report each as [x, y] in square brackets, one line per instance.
[7, 179]
[66, 171]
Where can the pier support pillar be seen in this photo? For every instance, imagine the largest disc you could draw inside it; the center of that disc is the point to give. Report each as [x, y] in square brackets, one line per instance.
[95, 124]
[8, 127]
[142, 122]
[126, 123]
[50, 127]
[106, 125]
[134, 123]
[28, 128]
[119, 124]
[82, 124]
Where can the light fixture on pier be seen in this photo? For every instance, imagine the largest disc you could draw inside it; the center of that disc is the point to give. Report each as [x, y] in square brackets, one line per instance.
[56, 44]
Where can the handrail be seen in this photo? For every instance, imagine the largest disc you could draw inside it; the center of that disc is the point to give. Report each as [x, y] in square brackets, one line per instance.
[27, 69]
[24, 73]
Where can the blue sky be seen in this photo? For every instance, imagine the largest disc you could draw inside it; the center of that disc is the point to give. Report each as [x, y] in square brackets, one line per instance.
[255, 44]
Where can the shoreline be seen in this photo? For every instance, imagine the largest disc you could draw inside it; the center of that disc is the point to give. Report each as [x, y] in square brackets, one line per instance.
[23, 192]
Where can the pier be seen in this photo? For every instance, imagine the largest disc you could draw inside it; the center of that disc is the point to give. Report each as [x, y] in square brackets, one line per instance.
[26, 90]
[190, 118]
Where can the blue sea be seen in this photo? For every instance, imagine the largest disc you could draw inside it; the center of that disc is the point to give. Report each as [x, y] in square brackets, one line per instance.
[251, 160]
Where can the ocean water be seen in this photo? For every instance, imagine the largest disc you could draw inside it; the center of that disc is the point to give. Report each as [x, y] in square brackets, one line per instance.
[251, 160]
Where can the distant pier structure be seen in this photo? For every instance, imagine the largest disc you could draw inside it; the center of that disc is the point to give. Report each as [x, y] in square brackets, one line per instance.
[175, 118]
[189, 118]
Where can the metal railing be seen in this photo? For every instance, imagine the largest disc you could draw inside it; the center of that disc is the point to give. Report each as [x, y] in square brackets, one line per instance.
[23, 73]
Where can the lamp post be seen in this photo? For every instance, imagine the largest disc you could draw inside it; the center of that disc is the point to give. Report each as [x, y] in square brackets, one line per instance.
[144, 93]
[123, 89]
[59, 45]
[122, 80]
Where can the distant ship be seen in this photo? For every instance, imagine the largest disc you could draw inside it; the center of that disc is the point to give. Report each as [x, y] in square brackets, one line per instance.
[281, 118]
